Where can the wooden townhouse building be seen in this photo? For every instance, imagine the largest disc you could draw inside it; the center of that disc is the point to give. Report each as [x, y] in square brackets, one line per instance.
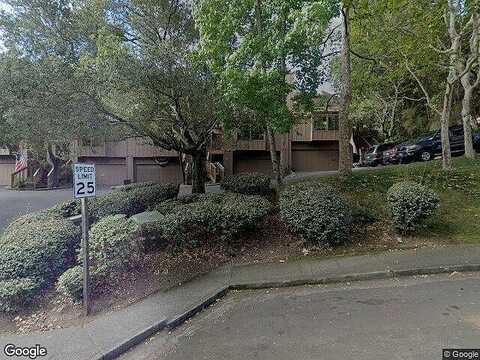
[309, 146]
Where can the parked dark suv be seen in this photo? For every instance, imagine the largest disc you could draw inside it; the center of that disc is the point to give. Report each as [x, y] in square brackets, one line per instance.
[374, 155]
[426, 147]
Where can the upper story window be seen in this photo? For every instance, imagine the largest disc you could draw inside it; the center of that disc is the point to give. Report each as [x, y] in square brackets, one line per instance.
[251, 134]
[92, 141]
[325, 121]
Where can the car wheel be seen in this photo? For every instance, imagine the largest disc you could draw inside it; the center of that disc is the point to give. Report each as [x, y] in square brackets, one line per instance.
[426, 156]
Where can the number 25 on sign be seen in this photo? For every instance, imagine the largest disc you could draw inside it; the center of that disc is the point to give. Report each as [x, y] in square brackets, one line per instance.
[83, 180]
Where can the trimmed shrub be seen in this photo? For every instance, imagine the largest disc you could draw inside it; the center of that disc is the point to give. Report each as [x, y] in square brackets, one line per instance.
[410, 204]
[16, 293]
[39, 250]
[363, 215]
[211, 216]
[132, 201]
[70, 283]
[318, 213]
[149, 196]
[113, 245]
[247, 184]
[66, 209]
[19, 223]
[135, 186]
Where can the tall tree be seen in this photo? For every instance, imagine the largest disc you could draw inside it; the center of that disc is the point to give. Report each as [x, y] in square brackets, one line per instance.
[146, 75]
[345, 124]
[127, 62]
[466, 57]
[254, 45]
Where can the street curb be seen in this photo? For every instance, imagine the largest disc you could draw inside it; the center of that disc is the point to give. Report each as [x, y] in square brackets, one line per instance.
[181, 318]
[198, 307]
[130, 343]
[318, 281]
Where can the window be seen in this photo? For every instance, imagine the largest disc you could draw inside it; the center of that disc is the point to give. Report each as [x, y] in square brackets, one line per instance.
[325, 121]
[333, 121]
[92, 141]
[251, 134]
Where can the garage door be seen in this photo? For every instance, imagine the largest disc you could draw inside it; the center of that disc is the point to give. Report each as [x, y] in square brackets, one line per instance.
[252, 161]
[6, 170]
[111, 174]
[314, 158]
[170, 174]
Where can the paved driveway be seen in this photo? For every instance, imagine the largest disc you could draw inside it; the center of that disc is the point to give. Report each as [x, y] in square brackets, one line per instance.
[16, 203]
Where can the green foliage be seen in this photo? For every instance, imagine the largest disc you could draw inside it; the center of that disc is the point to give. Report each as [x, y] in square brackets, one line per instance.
[113, 245]
[318, 213]
[248, 184]
[410, 204]
[16, 293]
[65, 210]
[130, 201]
[382, 84]
[252, 70]
[70, 283]
[211, 216]
[134, 186]
[38, 250]
[362, 216]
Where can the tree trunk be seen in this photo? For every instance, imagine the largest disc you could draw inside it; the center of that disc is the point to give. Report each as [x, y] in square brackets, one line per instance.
[199, 171]
[467, 123]
[274, 156]
[53, 180]
[445, 124]
[345, 126]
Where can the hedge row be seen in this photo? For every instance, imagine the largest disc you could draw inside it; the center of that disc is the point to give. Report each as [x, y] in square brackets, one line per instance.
[131, 200]
[247, 184]
[36, 248]
[32, 256]
[190, 221]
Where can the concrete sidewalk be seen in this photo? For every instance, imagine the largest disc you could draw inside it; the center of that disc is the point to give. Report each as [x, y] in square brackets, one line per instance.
[114, 333]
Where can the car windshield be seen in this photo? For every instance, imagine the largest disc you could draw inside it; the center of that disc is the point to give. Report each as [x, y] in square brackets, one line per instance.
[372, 149]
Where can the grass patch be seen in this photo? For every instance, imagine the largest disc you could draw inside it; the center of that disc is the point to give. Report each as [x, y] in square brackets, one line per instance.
[458, 219]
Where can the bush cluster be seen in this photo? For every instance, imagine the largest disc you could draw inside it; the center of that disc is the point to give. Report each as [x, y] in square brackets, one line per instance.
[247, 184]
[131, 199]
[70, 283]
[16, 293]
[410, 204]
[39, 250]
[36, 248]
[113, 248]
[317, 213]
[33, 255]
[204, 217]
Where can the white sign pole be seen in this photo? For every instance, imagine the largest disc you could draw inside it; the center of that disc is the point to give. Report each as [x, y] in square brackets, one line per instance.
[84, 186]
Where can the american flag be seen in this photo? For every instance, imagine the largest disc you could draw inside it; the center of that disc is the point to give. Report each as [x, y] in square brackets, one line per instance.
[21, 161]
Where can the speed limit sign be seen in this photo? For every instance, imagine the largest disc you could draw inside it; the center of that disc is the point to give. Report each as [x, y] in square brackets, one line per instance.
[83, 180]
[84, 186]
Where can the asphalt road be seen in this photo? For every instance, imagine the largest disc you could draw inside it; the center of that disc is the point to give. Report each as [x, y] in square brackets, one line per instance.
[411, 318]
[16, 203]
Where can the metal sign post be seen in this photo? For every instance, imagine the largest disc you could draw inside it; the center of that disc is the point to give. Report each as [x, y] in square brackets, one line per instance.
[86, 272]
[84, 186]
